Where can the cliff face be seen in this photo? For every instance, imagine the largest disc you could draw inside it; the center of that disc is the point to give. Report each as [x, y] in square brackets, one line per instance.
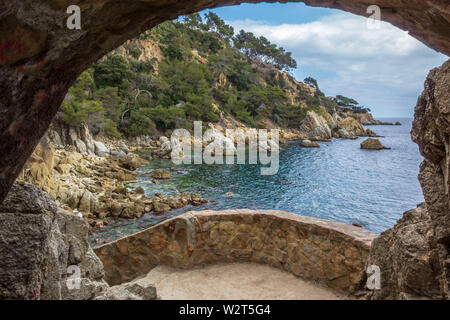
[414, 256]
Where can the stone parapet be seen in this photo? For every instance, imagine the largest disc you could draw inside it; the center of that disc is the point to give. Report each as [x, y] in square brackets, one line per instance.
[329, 252]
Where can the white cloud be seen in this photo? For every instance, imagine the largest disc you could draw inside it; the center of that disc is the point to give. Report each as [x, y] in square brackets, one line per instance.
[382, 68]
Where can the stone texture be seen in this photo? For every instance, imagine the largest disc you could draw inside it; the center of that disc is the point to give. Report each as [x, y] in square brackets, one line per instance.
[408, 258]
[309, 144]
[161, 174]
[130, 291]
[414, 255]
[329, 252]
[315, 127]
[372, 144]
[352, 126]
[39, 56]
[38, 243]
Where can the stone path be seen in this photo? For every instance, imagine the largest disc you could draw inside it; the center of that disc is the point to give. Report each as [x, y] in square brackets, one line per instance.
[237, 281]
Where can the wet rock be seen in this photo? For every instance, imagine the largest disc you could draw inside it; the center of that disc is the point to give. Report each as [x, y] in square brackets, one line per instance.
[160, 207]
[309, 144]
[131, 162]
[372, 144]
[161, 174]
[139, 190]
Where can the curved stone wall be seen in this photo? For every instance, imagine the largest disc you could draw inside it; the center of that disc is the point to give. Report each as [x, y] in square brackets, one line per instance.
[329, 252]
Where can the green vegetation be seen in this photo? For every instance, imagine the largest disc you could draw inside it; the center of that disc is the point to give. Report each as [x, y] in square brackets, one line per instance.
[206, 72]
[350, 103]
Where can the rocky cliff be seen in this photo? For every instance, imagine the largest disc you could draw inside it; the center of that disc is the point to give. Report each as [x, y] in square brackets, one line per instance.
[46, 255]
[414, 256]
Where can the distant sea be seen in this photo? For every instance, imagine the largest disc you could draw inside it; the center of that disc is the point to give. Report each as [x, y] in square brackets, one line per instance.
[337, 181]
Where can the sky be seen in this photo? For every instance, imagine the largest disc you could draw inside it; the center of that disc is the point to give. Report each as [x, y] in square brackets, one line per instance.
[383, 69]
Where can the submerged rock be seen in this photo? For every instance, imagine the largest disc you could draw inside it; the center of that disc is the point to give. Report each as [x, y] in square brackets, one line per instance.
[373, 144]
[161, 174]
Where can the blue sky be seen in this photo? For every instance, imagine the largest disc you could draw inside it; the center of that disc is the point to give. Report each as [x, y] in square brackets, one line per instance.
[383, 69]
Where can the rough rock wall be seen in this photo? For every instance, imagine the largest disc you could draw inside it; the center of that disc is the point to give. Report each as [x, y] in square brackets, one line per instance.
[40, 58]
[414, 256]
[38, 242]
[45, 253]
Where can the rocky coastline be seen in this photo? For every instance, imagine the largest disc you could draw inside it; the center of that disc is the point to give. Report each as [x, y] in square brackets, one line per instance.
[91, 177]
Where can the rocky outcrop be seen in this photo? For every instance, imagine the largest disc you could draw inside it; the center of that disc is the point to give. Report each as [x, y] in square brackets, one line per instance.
[373, 144]
[408, 258]
[309, 144]
[431, 131]
[351, 125]
[41, 247]
[414, 256]
[315, 127]
[161, 174]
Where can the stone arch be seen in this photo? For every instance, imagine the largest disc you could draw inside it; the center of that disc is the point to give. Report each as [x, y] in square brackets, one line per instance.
[40, 59]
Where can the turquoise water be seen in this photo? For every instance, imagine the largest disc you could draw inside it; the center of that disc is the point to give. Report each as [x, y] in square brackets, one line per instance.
[338, 181]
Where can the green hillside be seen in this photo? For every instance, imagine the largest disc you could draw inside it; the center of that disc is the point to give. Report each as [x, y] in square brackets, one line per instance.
[205, 71]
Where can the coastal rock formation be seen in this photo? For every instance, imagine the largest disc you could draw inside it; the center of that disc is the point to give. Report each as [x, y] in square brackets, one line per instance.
[408, 258]
[414, 255]
[431, 131]
[41, 247]
[46, 255]
[309, 144]
[315, 127]
[129, 291]
[161, 174]
[373, 144]
[351, 125]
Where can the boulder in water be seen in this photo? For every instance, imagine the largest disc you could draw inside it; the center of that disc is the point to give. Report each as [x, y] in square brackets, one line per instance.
[309, 144]
[161, 174]
[372, 144]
